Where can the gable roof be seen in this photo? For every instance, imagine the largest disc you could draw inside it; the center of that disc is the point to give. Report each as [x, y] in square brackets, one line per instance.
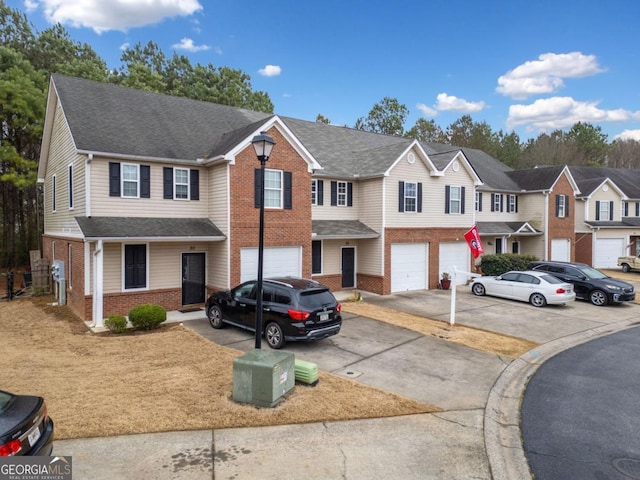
[589, 179]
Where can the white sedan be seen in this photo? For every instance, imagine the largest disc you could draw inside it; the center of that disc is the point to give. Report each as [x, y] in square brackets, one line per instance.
[536, 287]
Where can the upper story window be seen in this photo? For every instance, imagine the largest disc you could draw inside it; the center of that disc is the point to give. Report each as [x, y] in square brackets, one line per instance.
[478, 202]
[454, 199]
[53, 193]
[70, 180]
[512, 203]
[410, 197]
[561, 206]
[129, 180]
[341, 194]
[317, 192]
[273, 188]
[181, 183]
[604, 210]
[496, 202]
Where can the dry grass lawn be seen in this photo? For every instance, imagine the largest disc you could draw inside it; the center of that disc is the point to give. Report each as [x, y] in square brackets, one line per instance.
[163, 380]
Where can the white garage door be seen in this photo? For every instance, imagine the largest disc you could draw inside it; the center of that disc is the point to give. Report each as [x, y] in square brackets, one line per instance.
[607, 251]
[409, 266]
[278, 261]
[560, 249]
[454, 254]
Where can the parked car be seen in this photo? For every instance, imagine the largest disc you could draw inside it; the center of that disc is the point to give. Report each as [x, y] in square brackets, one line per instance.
[537, 288]
[294, 309]
[589, 283]
[25, 426]
[629, 263]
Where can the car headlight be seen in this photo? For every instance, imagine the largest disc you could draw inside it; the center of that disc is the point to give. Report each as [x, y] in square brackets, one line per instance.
[613, 287]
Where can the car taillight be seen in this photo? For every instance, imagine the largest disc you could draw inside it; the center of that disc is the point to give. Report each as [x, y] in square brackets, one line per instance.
[338, 308]
[298, 314]
[10, 448]
[561, 290]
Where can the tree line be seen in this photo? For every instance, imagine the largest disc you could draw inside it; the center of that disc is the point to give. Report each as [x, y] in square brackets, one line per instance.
[29, 57]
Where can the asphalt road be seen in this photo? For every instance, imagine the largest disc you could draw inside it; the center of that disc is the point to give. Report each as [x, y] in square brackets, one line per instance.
[580, 415]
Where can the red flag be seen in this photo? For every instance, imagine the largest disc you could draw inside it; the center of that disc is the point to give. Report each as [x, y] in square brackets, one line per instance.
[475, 244]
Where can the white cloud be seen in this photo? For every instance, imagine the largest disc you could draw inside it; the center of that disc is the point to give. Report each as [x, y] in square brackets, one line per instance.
[188, 45]
[629, 135]
[426, 110]
[270, 71]
[452, 103]
[102, 16]
[562, 112]
[124, 46]
[545, 75]
[30, 5]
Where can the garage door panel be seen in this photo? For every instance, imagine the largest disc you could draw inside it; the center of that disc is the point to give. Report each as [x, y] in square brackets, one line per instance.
[408, 266]
[560, 250]
[454, 254]
[277, 261]
[607, 251]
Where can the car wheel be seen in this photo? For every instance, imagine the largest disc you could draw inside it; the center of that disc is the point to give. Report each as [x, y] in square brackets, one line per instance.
[215, 316]
[598, 297]
[626, 268]
[273, 334]
[537, 300]
[478, 289]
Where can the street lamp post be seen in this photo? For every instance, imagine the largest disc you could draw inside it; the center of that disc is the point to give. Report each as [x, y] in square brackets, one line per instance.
[262, 145]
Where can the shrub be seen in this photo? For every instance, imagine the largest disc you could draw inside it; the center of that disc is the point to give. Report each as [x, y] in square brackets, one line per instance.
[147, 316]
[116, 323]
[499, 264]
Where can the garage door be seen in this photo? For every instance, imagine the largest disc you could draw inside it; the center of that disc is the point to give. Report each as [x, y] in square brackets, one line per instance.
[278, 261]
[409, 266]
[454, 254]
[560, 250]
[607, 251]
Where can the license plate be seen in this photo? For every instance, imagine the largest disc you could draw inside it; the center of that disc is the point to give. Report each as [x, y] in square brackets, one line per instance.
[34, 436]
[323, 317]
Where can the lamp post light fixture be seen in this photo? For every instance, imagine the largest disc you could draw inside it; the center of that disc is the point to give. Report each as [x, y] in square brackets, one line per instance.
[262, 144]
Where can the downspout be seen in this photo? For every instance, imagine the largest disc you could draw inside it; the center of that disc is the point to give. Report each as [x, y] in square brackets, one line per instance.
[87, 185]
[546, 225]
[98, 286]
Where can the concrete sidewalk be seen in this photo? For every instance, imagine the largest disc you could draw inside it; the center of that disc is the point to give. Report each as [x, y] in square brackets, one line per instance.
[476, 436]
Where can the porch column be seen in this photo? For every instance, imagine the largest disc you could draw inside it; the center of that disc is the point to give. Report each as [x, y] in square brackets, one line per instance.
[98, 286]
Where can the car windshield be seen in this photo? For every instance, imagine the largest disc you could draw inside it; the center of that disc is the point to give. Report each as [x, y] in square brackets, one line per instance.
[592, 273]
[314, 299]
[551, 279]
[5, 400]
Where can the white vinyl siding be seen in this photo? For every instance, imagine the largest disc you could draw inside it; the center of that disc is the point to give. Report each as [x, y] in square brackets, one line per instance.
[328, 212]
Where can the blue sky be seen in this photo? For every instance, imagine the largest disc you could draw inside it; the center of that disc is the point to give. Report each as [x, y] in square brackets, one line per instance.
[523, 65]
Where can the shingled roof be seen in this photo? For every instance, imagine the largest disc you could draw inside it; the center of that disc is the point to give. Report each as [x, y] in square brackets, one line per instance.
[145, 227]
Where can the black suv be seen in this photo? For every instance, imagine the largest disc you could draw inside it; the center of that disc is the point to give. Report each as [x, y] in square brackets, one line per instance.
[293, 309]
[589, 283]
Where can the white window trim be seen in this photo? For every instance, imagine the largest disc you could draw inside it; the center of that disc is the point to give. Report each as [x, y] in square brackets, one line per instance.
[123, 267]
[452, 201]
[314, 192]
[341, 196]
[562, 207]
[279, 190]
[497, 202]
[128, 181]
[476, 205]
[175, 183]
[414, 197]
[512, 203]
[604, 208]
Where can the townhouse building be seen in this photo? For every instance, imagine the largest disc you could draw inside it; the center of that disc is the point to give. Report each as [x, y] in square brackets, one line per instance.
[153, 198]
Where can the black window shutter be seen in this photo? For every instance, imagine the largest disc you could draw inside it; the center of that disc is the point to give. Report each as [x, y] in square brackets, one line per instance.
[316, 256]
[349, 194]
[419, 197]
[145, 181]
[557, 205]
[194, 187]
[501, 202]
[611, 210]
[320, 192]
[637, 209]
[334, 193]
[493, 202]
[626, 209]
[257, 187]
[480, 201]
[462, 199]
[516, 204]
[566, 205]
[401, 197]
[597, 210]
[114, 179]
[447, 197]
[288, 202]
[167, 182]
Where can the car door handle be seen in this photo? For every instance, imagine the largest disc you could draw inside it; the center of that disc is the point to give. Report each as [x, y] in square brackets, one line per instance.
[242, 304]
[266, 309]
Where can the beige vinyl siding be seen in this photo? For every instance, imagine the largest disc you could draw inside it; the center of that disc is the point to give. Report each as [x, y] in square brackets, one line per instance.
[218, 265]
[581, 227]
[329, 212]
[488, 216]
[102, 205]
[112, 264]
[530, 246]
[331, 257]
[369, 258]
[531, 208]
[604, 194]
[62, 153]
[370, 203]
[218, 196]
[433, 197]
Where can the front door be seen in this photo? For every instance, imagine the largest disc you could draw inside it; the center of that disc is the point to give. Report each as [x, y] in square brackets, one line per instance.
[193, 285]
[348, 267]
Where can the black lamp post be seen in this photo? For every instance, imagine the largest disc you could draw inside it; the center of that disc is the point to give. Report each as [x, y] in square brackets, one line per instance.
[262, 144]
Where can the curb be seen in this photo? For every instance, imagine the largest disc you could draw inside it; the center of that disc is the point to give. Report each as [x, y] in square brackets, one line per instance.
[502, 435]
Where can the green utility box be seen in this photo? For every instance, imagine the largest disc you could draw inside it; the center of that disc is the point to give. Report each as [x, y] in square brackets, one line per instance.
[263, 377]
